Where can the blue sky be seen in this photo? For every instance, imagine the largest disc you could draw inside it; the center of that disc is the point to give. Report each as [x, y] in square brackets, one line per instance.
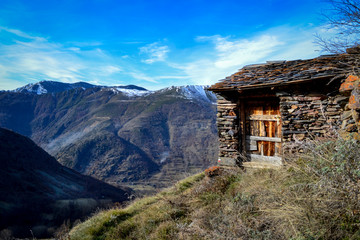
[153, 43]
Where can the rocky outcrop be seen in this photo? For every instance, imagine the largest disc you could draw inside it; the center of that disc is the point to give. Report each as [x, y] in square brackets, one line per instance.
[350, 88]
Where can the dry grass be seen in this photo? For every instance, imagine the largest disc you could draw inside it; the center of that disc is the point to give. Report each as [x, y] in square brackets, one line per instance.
[314, 197]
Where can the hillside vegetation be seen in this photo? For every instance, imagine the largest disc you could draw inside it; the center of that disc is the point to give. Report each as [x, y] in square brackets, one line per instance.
[316, 196]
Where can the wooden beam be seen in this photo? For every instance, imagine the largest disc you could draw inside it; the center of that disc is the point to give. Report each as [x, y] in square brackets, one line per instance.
[267, 139]
[243, 127]
[264, 117]
[266, 159]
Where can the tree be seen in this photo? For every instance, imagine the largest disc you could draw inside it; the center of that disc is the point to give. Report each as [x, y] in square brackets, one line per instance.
[343, 18]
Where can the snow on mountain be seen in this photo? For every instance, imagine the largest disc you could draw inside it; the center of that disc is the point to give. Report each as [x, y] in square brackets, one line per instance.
[44, 87]
[32, 88]
[133, 92]
[128, 91]
[198, 92]
[193, 92]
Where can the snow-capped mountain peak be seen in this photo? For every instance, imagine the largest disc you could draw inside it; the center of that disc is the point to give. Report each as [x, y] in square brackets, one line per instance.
[44, 87]
[193, 92]
[36, 88]
[130, 92]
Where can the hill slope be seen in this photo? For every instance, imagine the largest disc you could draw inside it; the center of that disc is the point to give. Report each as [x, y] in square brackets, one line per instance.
[122, 135]
[315, 197]
[38, 193]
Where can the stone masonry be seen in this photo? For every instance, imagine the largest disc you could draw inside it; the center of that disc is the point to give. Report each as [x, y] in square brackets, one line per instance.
[227, 122]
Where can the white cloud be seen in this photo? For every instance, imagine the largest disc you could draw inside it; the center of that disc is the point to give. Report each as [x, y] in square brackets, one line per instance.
[141, 76]
[35, 58]
[108, 70]
[227, 55]
[155, 52]
[21, 34]
[239, 52]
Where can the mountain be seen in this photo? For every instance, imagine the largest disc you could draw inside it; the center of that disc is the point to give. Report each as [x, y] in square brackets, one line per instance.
[44, 87]
[38, 193]
[122, 135]
[51, 87]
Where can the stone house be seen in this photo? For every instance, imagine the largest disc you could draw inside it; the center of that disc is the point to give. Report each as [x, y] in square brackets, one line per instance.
[263, 108]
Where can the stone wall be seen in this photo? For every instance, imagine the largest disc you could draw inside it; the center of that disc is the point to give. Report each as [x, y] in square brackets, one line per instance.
[228, 130]
[305, 117]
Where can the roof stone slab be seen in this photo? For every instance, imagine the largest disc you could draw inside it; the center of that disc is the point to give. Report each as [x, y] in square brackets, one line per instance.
[277, 73]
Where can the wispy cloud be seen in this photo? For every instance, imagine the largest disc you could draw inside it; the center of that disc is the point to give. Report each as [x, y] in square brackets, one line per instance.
[108, 70]
[141, 76]
[21, 34]
[155, 52]
[232, 53]
[29, 57]
[227, 54]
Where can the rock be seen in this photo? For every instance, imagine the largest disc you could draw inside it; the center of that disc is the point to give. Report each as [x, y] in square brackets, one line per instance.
[350, 83]
[351, 128]
[339, 99]
[353, 50]
[346, 107]
[346, 115]
[212, 171]
[354, 100]
[299, 137]
[291, 110]
[355, 115]
[343, 125]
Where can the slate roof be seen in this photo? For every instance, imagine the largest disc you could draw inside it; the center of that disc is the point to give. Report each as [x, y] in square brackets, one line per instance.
[277, 73]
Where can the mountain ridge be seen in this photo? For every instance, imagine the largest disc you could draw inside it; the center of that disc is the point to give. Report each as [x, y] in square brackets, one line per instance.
[150, 140]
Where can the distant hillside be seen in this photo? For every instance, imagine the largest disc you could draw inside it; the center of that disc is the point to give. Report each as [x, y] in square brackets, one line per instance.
[122, 135]
[39, 194]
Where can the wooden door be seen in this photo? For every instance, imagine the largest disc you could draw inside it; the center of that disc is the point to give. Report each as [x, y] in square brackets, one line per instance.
[263, 131]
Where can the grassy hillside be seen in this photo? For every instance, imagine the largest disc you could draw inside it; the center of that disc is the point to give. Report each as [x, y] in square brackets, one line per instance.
[316, 196]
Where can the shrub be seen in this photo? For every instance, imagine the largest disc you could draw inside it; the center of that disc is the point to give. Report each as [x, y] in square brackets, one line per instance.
[329, 171]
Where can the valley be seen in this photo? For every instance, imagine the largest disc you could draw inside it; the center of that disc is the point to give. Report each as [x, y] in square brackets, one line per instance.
[39, 194]
[125, 136]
